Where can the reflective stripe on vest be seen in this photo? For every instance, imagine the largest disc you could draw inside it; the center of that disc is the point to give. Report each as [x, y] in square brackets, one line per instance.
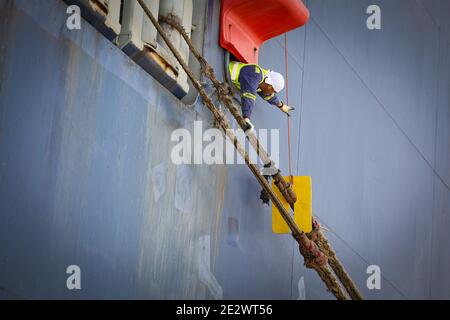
[248, 95]
[267, 98]
[234, 71]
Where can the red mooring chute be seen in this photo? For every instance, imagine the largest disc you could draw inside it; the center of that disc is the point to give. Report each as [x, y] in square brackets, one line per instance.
[246, 24]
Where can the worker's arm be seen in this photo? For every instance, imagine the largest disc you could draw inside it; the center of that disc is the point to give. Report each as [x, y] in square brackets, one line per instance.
[272, 99]
[249, 80]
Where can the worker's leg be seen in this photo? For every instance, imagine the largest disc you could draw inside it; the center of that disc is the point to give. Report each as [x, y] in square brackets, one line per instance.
[246, 110]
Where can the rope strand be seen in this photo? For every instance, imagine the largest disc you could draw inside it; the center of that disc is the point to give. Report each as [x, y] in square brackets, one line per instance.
[314, 258]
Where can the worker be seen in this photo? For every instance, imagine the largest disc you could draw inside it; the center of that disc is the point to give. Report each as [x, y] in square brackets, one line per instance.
[251, 79]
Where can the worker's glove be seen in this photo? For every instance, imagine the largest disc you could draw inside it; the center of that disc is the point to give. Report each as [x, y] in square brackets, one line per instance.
[286, 109]
[249, 128]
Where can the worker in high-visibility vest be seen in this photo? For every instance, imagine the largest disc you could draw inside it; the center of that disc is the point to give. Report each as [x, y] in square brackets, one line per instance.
[251, 79]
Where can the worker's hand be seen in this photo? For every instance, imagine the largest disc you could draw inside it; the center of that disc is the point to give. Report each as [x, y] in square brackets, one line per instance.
[286, 109]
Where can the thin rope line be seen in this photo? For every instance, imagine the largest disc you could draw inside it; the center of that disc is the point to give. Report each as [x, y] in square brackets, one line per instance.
[287, 102]
[382, 106]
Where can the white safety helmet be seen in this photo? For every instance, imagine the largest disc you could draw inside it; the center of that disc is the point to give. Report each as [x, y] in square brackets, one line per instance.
[276, 80]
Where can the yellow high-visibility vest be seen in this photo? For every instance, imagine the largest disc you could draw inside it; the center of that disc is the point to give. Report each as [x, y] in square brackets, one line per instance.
[235, 70]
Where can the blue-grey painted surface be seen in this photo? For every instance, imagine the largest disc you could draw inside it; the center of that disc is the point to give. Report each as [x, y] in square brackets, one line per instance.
[86, 176]
[82, 129]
